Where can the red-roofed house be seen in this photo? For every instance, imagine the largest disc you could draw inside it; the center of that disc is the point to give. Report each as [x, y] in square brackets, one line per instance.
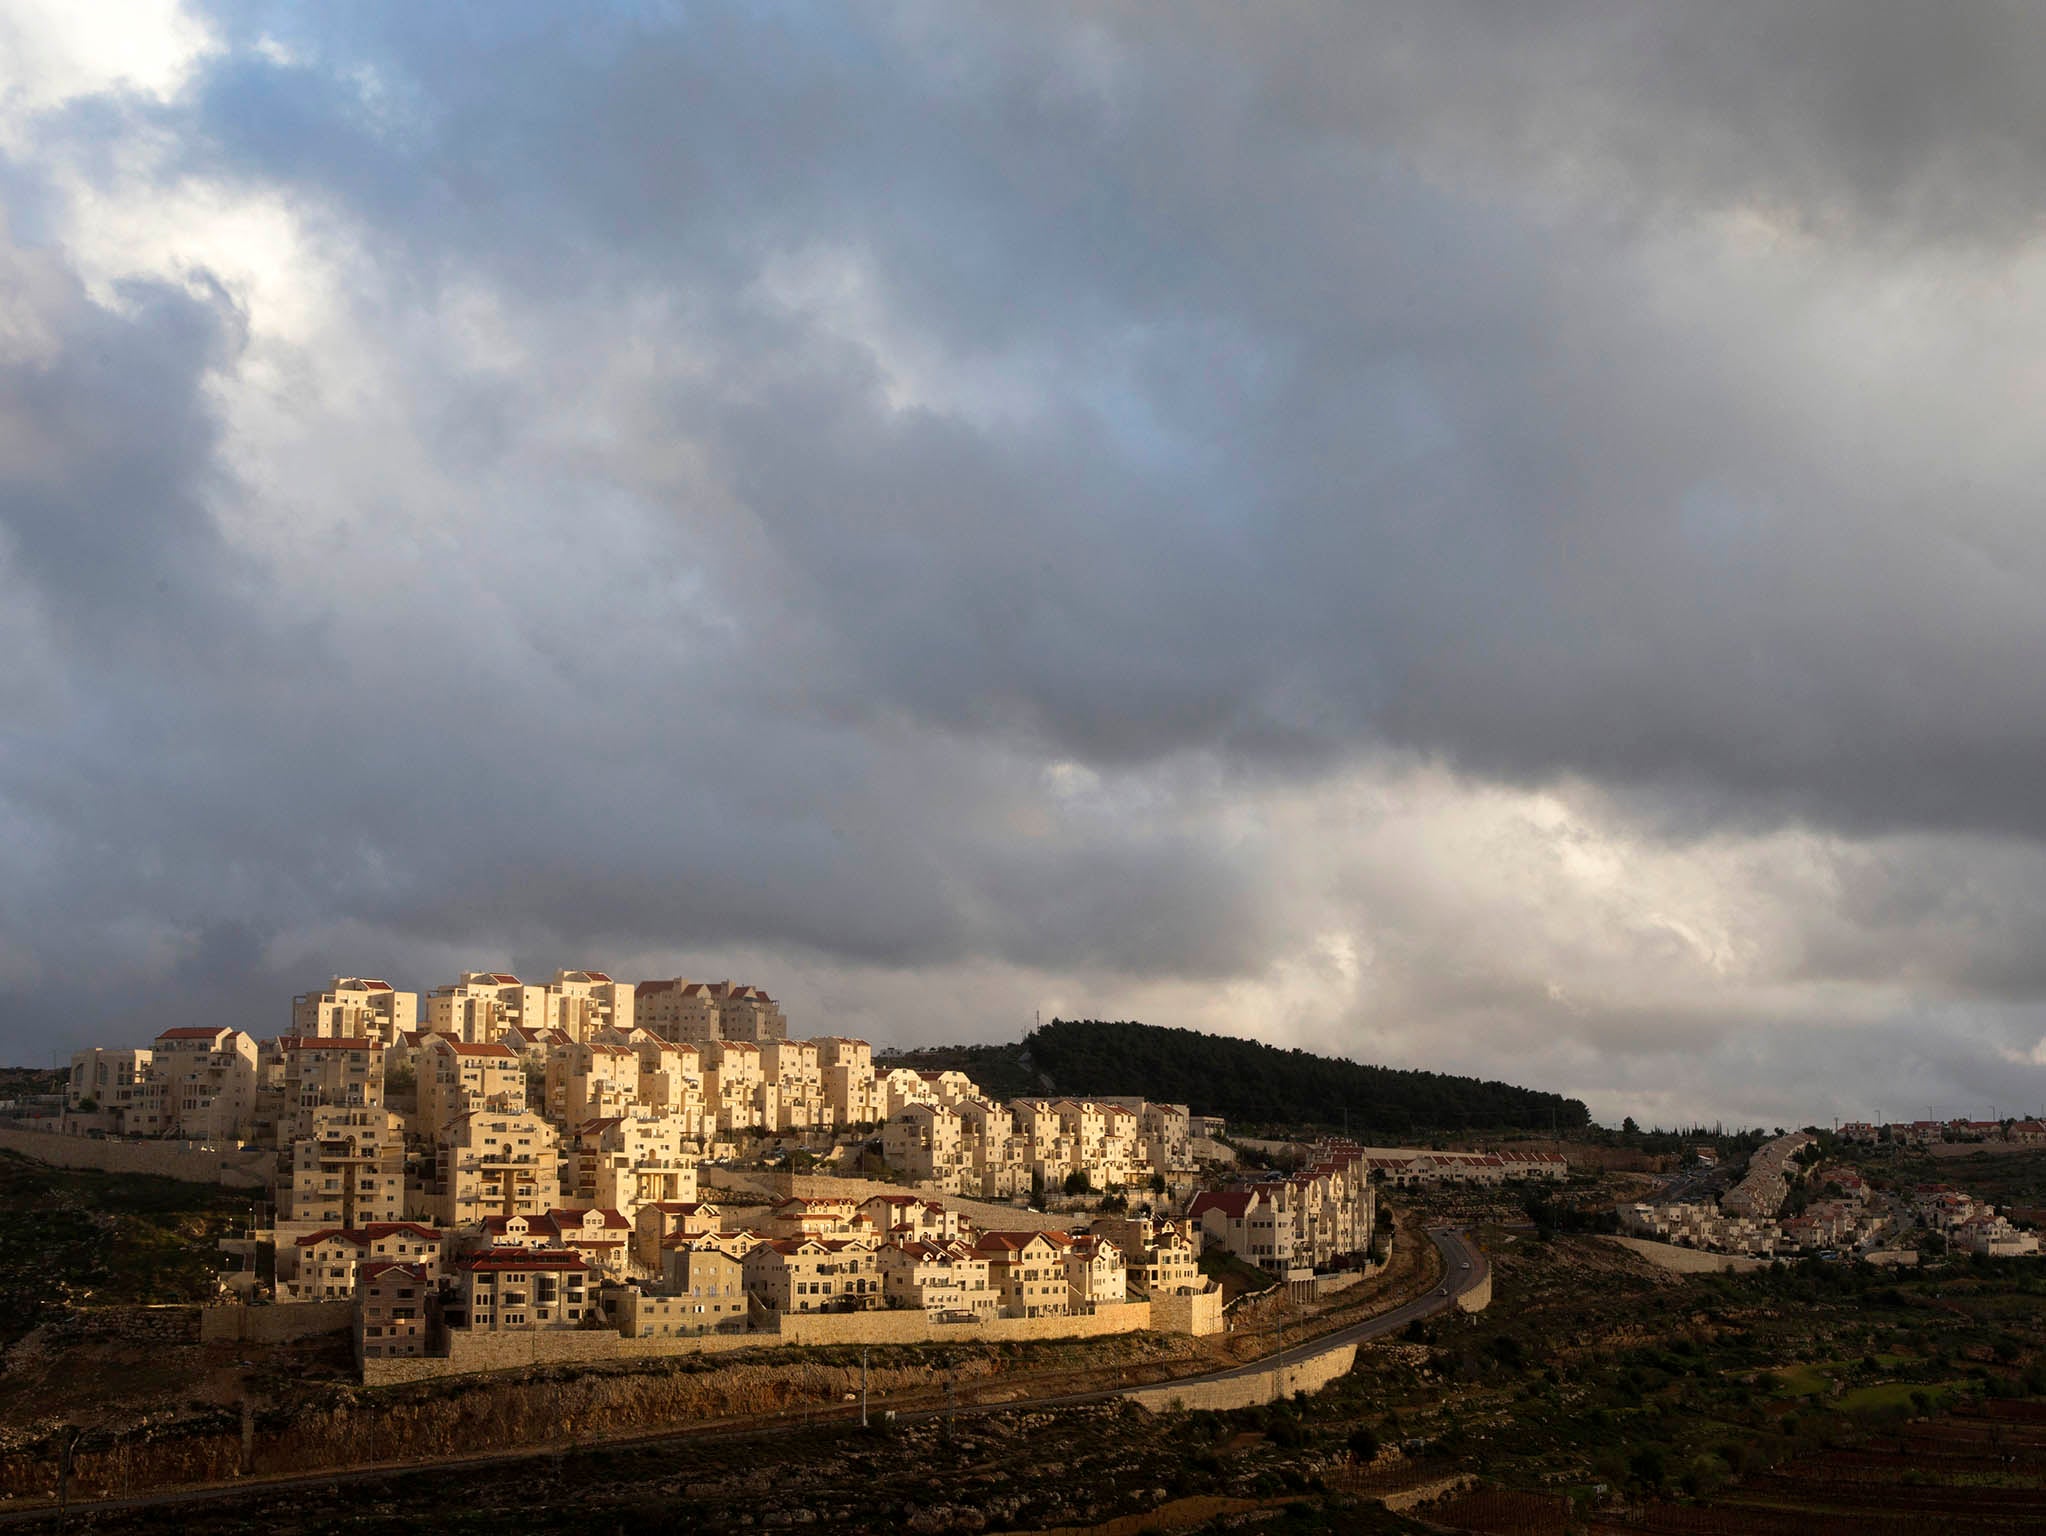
[395, 1310]
[328, 1260]
[1027, 1270]
[813, 1274]
[502, 1290]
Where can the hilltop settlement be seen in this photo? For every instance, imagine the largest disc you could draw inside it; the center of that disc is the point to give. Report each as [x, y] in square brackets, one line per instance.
[520, 1172]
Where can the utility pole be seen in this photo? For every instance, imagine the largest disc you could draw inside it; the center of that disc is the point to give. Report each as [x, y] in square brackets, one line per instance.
[863, 1389]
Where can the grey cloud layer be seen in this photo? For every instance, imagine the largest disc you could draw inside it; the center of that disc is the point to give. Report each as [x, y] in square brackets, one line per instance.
[799, 442]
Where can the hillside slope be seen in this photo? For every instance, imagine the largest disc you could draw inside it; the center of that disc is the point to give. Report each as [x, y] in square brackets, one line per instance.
[1248, 1082]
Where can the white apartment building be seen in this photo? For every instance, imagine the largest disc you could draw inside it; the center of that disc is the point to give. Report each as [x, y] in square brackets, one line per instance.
[847, 1070]
[496, 1163]
[624, 1162]
[355, 1007]
[210, 1082]
[347, 1169]
[483, 1005]
[579, 1003]
[456, 1077]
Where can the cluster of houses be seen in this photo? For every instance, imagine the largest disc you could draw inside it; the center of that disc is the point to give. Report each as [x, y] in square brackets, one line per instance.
[1766, 1185]
[1849, 1217]
[683, 1269]
[515, 1155]
[517, 1099]
[1288, 1222]
[948, 1137]
[1920, 1133]
[1404, 1168]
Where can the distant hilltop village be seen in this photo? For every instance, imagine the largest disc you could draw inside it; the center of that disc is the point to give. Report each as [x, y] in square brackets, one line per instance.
[517, 1178]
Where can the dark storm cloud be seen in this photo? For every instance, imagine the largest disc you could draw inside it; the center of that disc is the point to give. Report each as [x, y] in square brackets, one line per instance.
[1367, 412]
[799, 446]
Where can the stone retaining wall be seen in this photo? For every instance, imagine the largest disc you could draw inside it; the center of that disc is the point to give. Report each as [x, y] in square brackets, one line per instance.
[1478, 1297]
[1199, 1314]
[1251, 1388]
[238, 1169]
[469, 1353]
[276, 1324]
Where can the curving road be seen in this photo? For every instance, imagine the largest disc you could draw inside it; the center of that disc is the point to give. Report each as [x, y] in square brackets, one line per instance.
[1464, 1267]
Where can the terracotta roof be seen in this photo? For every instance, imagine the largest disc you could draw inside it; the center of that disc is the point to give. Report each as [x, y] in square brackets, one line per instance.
[376, 1269]
[1233, 1203]
[326, 1043]
[522, 1258]
[569, 1216]
[503, 979]
[1015, 1242]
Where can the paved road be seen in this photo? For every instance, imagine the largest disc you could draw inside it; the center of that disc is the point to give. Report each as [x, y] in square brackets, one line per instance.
[1457, 1252]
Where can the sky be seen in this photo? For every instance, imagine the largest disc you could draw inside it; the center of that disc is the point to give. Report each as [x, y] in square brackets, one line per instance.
[1498, 540]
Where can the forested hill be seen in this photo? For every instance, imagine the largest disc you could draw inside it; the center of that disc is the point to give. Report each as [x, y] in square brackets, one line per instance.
[1249, 1082]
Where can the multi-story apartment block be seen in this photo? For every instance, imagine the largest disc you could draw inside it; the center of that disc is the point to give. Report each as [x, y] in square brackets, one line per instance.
[672, 1074]
[114, 1087]
[496, 1163]
[321, 1071]
[624, 1162]
[483, 1005]
[748, 1013]
[347, 1169]
[210, 1078]
[592, 1081]
[1085, 1124]
[535, 1046]
[997, 1160]
[925, 1144]
[735, 1089]
[1166, 1134]
[792, 1068]
[847, 1070]
[813, 1274]
[396, 1307]
[1044, 1149]
[901, 1087]
[942, 1276]
[505, 1289]
[680, 1009]
[579, 1003]
[1027, 1270]
[355, 1008]
[458, 1077]
[601, 1238]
